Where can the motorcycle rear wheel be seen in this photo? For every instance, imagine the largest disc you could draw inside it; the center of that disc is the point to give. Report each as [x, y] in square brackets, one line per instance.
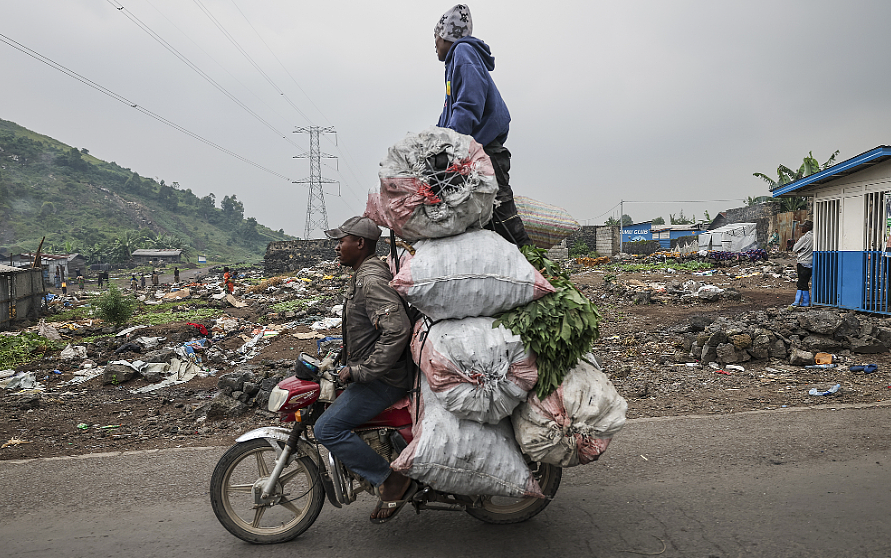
[503, 511]
[298, 498]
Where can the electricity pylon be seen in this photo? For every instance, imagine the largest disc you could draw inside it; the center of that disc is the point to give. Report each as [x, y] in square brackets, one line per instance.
[316, 214]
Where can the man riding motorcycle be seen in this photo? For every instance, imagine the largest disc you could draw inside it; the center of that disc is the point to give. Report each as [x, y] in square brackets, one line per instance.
[376, 330]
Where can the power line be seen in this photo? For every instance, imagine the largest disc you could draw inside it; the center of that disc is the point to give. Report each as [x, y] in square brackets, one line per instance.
[120, 98]
[198, 70]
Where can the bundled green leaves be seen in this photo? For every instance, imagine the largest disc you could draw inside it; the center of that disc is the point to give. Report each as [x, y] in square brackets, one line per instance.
[559, 327]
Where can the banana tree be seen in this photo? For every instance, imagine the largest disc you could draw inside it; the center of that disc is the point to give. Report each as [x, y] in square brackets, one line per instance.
[785, 175]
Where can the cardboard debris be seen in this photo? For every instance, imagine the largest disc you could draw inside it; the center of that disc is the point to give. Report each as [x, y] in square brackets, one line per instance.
[235, 302]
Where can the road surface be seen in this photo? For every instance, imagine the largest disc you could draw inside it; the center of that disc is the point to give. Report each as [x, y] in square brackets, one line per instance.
[767, 483]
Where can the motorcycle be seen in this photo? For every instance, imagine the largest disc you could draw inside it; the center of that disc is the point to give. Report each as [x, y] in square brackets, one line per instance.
[271, 485]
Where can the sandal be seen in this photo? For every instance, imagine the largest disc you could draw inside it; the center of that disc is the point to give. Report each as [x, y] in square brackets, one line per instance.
[395, 505]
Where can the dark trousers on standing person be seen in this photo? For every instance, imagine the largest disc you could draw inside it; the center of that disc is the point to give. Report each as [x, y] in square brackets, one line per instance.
[505, 220]
[804, 277]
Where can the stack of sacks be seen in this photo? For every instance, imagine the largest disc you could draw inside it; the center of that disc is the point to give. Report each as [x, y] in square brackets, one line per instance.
[437, 190]
[575, 423]
[464, 456]
[434, 184]
[477, 372]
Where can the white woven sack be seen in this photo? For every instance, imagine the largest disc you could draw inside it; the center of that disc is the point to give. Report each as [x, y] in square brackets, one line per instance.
[462, 456]
[477, 273]
[477, 372]
[417, 203]
[575, 423]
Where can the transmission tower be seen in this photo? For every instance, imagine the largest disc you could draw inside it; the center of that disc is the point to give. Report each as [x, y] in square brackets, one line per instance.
[316, 214]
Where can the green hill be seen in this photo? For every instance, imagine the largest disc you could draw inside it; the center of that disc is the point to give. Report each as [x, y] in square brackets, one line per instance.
[83, 204]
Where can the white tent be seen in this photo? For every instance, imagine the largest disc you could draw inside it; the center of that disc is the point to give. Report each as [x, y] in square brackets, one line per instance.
[737, 237]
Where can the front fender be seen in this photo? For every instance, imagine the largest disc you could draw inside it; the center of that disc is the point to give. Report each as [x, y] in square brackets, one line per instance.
[274, 434]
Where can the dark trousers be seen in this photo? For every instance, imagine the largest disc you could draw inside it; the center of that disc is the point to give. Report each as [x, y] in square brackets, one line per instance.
[804, 277]
[505, 220]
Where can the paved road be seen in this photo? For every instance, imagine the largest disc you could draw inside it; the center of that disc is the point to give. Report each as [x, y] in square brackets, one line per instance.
[772, 484]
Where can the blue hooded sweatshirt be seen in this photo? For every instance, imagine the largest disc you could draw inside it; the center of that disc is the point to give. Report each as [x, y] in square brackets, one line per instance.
[473, 104]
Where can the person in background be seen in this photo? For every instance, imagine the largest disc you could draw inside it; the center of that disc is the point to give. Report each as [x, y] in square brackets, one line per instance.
[80, 282]
[64, 288]
[473, 106]
[142, 280]
[133, 285]
[228, 280]
[804, 252]
[155, 278]
[176, 275]
[100, 280]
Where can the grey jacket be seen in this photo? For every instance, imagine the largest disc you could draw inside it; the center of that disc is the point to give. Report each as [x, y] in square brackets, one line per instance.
[376, 328]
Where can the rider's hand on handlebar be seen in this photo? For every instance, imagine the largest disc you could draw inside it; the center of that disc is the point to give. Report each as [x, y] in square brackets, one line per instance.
[344, 374]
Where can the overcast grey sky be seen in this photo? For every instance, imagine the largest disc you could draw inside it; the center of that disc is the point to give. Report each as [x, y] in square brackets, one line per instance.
[643, 100]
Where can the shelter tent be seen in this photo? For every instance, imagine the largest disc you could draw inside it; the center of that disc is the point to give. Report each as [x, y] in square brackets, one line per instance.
[737, 237]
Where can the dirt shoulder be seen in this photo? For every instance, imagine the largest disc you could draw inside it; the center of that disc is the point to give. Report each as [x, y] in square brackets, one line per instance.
[644, 347]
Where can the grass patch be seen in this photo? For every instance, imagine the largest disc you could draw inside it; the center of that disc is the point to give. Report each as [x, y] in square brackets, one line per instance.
[22, 349]
[681, 266]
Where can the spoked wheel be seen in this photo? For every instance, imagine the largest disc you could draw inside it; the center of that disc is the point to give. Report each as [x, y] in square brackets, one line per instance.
[502, 510]
[236, 494]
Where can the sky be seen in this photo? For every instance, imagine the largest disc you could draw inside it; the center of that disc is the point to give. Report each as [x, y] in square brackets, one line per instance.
[667, 105]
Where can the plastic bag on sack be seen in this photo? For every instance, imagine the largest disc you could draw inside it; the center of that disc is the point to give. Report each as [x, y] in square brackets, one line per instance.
[477, 372]
[545, 224]
[477, 273]
[463, 456]
[433, 184]
[574, 424]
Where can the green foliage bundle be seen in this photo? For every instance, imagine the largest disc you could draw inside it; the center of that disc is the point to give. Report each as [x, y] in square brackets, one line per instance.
[114, 306]
[559, 327]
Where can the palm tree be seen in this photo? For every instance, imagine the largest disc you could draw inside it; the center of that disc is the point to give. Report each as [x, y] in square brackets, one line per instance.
[785, 175]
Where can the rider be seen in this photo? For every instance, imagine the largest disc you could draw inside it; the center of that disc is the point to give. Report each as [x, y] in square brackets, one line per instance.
[376, 330]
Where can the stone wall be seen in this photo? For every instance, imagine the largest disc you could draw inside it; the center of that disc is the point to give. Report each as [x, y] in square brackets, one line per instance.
[760, 214]
[602, 239]
[292, 255]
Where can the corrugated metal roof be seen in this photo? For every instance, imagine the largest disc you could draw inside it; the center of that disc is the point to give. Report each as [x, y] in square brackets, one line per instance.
[9, 269]
[160, 253]
[855, 164]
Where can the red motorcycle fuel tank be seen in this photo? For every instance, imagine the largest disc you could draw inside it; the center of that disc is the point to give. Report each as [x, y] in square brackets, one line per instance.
[301, 393]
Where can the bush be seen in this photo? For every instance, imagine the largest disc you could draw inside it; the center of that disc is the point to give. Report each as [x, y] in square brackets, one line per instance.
[114, 306]
[579, 249]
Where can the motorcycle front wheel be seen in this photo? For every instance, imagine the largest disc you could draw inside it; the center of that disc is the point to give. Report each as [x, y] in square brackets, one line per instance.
[502, 510]
[294, 505]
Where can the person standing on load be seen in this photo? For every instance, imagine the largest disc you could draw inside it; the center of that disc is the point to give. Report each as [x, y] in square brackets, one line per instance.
[473, 106]
[376, 331]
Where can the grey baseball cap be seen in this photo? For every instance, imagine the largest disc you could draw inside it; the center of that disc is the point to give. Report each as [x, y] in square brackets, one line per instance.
[356, 226]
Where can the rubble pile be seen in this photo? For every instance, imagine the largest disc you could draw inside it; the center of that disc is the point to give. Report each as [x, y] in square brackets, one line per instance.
[786, 334]
[669, 285]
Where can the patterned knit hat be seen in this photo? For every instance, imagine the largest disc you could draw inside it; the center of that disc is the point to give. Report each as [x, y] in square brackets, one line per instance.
[454, 24]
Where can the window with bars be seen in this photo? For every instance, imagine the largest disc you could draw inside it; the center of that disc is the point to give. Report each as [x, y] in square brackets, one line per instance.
[875, 221]
[826, 226]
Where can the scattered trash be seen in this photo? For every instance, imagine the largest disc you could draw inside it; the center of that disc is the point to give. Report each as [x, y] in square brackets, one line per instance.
[48, 331]
[824, 358]
[83, 426]
[14, 442]
[109, 426]
[726, 373]
[129, 330]
[72, 352]
[23, 381]
[822, 366]
[326, 323]
[736, 367]
[865, 368]
[830, 391]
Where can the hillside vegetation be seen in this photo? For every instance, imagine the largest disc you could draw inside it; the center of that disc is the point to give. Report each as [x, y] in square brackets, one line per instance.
[102, 210]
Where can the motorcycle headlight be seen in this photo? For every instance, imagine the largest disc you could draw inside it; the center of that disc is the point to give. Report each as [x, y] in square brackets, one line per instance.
[277, 398]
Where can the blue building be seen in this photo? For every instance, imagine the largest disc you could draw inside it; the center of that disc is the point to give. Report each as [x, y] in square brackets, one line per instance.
[637, 232]
[852, 218]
